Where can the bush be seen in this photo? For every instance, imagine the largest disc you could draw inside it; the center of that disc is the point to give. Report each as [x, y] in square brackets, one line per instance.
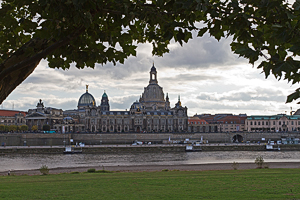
[24, 128]
[2, 127]
[104, 171]
[46, 127]
[44, 169]
[34, 128]
[259, 161]
[92, 170]
[235, 165]
[12, 128]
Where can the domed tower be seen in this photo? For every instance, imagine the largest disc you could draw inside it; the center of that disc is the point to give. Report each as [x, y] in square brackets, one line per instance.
[86, 100]
[136, 107]
[153, 96]
[104, 102]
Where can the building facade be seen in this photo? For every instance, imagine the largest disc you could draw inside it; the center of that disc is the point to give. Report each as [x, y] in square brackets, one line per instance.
[42, 115]
[217, 123]
[12, 117]
[152, 113]
[273, 123]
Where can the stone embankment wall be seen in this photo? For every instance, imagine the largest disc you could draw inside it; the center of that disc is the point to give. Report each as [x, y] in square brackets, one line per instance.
[34, 139]
[140, 149]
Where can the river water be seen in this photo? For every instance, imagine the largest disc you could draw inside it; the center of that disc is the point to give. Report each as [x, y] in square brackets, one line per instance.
[35, 161]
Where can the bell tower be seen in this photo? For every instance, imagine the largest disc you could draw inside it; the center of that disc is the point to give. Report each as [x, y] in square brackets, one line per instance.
[104, 102]
[153, 75]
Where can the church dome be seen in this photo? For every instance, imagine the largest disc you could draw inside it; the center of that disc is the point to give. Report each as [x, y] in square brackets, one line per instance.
[104, 94]
[86, 100]
[136, 105]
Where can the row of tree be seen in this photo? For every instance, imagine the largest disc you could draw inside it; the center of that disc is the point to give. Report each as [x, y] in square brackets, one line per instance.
[13, 128]
[22, 128]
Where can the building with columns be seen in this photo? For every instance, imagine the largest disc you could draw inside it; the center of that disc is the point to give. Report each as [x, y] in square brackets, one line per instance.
[151, 113]
[43, 115]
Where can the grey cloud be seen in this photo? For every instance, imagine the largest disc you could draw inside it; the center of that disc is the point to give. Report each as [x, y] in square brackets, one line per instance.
[191, 77]
[221, 106]
[258, 94]
[123, 102]
[202, 52]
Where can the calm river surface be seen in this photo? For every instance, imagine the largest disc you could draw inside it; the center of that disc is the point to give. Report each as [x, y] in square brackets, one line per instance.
[35, 161]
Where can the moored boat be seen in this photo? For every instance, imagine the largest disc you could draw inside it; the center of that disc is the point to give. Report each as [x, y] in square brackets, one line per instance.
[71, 150]
[190, 148]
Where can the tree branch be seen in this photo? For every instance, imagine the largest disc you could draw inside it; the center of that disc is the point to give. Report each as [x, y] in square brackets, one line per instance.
[37, 57]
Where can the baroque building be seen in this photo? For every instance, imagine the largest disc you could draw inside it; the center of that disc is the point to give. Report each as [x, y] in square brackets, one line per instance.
[152, 113]
[43, 115]
[273, 123]
[12, 117]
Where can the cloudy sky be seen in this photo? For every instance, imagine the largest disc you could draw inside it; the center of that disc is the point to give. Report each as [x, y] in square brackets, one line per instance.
[205, 73]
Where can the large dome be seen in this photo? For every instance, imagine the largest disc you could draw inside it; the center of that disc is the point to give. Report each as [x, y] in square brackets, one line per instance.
[86, 100]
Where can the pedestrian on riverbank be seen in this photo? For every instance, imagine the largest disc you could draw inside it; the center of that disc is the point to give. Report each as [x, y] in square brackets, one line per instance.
[8, 173]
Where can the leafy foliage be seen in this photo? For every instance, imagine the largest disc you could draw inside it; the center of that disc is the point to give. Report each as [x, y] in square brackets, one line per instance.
[44, 169]
[34, 128]
[91, 170]
[2, 127]
[259, 161]
[24, 128]
[235, 165]
[12, 127]
[88, 31]
[46, 127]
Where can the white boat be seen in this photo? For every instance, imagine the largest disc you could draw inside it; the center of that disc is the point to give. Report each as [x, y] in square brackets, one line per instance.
[71, 150]
[270, 147]
[190, 148]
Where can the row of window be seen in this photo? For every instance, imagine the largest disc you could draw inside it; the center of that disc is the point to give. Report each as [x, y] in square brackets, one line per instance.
[197, 123]
[274, 123]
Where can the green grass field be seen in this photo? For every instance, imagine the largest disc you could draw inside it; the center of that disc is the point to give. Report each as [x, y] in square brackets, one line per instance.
[229, 184]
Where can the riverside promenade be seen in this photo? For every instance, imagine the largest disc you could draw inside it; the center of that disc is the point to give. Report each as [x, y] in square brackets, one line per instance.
[142, 148]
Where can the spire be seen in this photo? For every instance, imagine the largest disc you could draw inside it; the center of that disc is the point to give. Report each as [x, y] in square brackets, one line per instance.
[87, 88]
[153, 75]
[167, 97]
[104, 94]
[179, 103]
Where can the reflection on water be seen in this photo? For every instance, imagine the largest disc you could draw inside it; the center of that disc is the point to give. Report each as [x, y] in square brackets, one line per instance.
[35, 161]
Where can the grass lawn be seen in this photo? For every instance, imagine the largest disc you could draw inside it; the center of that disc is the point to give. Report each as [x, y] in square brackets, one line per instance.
[227, 184]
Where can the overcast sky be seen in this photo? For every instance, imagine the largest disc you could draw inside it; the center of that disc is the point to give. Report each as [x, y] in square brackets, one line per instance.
[205, 73]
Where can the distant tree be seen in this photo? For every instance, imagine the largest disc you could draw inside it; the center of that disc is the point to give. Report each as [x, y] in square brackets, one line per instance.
[46, 127]
[34, 128]
[24, 128]
[2, 127]
[86, 32]
[12, 128]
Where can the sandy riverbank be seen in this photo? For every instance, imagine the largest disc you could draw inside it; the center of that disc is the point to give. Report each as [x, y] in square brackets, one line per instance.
[139, 168]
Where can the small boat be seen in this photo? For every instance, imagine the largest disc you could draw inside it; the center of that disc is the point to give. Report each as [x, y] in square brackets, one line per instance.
[270, 147]
[71, 150]
[190, 148]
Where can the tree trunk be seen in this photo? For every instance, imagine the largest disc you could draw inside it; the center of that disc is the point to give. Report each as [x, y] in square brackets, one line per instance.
[19, 66]
[11, 81]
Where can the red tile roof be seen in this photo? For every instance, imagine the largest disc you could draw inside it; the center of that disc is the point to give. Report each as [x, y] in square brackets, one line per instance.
[11, 113]
[196, 120]
[233, 119]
